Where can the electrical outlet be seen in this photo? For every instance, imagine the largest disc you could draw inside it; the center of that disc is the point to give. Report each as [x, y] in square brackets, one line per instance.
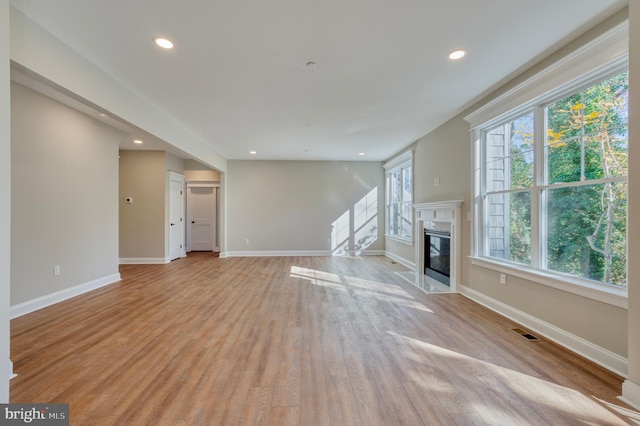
[503, 279]
[56, 270]
[246, 241]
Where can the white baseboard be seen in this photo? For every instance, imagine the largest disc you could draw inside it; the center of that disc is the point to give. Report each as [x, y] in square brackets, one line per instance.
[53, 298]
[371, 253]
[283, 253]
[404, 262]
[276, 253]
[6, 374]
[601, 356]
[630, 394]
[144, 261]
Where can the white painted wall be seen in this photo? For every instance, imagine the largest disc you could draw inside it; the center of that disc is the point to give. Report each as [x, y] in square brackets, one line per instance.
[5, 202]
[64, 197]
[290, 206]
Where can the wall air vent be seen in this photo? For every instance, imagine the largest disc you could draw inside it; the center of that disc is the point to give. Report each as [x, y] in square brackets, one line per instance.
[526, 335]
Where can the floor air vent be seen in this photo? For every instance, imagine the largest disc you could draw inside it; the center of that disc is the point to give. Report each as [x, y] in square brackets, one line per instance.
[526, 335]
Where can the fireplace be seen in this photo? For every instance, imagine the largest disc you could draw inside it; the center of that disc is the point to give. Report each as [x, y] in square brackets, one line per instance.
[437, 248]
[437, 255]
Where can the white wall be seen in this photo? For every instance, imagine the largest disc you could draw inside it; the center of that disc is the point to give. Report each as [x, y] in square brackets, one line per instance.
[5, 201]
[64, 197]
[291, 206]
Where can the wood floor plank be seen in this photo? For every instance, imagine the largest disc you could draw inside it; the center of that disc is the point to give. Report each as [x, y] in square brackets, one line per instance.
[296, 341]
[257, 407]
[314, 397]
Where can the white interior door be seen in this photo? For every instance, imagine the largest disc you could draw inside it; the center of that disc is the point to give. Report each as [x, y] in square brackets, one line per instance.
[176, 213]
[201, 218]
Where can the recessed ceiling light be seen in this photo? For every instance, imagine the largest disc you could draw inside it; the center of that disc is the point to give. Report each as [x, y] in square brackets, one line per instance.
[138, 141]
[361, 154]
[457, 54]
[163, 42]
[252, 152]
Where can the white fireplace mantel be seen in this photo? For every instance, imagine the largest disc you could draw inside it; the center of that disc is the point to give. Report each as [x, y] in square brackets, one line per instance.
[438, 215]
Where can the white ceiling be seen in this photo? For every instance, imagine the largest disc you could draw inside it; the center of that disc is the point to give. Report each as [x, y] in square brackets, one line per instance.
[238, 78]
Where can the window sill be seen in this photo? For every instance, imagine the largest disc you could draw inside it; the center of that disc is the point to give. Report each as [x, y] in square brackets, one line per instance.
[407, 241]
[600, 292]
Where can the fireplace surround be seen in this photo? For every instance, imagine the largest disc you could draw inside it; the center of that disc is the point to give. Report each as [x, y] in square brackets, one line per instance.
[438, 219]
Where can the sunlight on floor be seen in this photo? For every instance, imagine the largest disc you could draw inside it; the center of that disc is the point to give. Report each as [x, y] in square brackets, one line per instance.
[465, 372]
[374, 286]
[391, 293]
[385, 292]
[632, 415]
[325, 279]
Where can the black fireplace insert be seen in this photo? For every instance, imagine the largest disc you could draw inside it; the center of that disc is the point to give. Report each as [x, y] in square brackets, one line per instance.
[437, 254]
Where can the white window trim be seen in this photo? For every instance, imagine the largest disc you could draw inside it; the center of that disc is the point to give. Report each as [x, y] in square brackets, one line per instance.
[594, 59]
[391, 166]
[605, 293]
[407, 241]
[601, 58]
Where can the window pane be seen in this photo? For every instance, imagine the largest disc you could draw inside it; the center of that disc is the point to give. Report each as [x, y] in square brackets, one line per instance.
[406, 184]
[586, 231]
[396, 187]
[392, 218]
[587, 133]
[564, 161]
[407, 214]
[509, 226]
[510, 155]
[399, 202]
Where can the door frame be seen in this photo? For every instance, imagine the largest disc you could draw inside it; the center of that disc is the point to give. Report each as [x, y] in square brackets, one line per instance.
[216, 211]
[178, 178]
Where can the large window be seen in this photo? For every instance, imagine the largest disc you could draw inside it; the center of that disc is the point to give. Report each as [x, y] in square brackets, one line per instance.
[399, 198]
[551, 183]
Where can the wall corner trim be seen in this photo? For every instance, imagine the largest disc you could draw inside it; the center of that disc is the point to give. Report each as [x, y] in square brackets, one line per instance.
[630, 394]
[599, 355]
[59, 296]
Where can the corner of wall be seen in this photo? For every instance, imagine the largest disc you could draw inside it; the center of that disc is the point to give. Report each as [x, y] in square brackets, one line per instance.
[631, 394]
[6, 367]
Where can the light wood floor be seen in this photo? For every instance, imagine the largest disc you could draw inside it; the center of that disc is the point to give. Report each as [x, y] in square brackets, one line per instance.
[296, 341]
